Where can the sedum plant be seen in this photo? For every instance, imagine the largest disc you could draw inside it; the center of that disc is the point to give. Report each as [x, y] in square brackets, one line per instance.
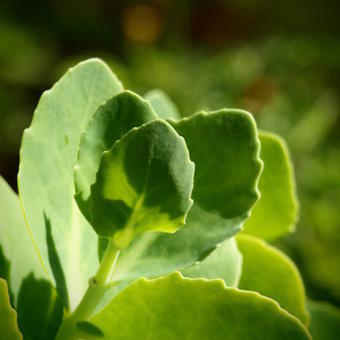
[134, 223]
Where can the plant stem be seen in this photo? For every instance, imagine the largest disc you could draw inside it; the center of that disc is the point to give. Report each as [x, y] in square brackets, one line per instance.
[98, 284]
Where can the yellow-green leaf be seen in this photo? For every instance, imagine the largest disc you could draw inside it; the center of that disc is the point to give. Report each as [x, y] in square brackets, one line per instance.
[174, 307]
[111, 121]
[8, 318]
[144, 183]
[275, 214]
[271, 273]
[15, 242]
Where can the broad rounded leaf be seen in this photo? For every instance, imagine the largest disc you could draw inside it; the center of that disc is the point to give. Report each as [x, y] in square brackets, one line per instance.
[324, 321]
[47, 157]
[177, 308]
[271, 273]
[225, 149]
[225, 262]
[8, 318]
[110, 122]
[162, 104]
[144, 183]
[15, 242]
[275, 214]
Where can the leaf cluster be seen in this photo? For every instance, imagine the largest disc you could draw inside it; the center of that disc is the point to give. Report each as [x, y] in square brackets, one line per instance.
[133, 223]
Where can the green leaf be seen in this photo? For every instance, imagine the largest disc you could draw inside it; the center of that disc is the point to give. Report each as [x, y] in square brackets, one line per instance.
[4, 269]
[111, 121]
[324, 321]
[276, 213]
[54, 261]
[271, 273]
[30, 294]
[47, 157]
[8, 318]
[177, 308]
[162, 104]
[15, 242]
[39, 309]
[89, 329]
[225, 149]
[144, 183]
[225, 262]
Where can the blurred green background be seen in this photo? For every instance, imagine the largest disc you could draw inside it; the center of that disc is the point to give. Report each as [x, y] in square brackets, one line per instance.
[278, 60]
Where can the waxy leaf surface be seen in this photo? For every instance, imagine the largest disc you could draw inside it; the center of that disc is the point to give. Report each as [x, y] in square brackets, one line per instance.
[111, 121]
[271, 273]
[162, 104]
[17, 246]
[324, 321]
[275, 214]
[174, 307]
[8, 318]
[144, 183]
[47, 157]
[225, 149]
[225, 262]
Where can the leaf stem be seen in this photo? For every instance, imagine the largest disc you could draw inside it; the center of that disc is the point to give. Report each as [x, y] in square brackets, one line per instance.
[98, 284]
[107, 265]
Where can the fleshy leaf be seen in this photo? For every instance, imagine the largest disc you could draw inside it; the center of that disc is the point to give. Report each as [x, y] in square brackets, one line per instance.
[271, 273]
[162, 104]
[111, 121]
[194, 309]
[8, 318]
[225, 149]
[275, 214]
[144, 183]
[224, 262]
[47, 157]
[324, 321]
[16, 244]
[39, 309]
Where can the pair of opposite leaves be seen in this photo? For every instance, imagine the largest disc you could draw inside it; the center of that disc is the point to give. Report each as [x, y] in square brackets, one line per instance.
[215, 165]
[224, 189]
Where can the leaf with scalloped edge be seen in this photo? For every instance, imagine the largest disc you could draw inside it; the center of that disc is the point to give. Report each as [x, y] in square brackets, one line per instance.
[144, 183]
[8, 318]
[225, 262]
[111, 121]
[162, 104]
[47, 157]
[174, 307]
[324, 321]
[15, 242]
[276, 213]
[225, 148]
[271, 273]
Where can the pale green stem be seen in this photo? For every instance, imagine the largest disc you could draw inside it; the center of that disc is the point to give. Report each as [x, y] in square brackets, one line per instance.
[97, 287]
